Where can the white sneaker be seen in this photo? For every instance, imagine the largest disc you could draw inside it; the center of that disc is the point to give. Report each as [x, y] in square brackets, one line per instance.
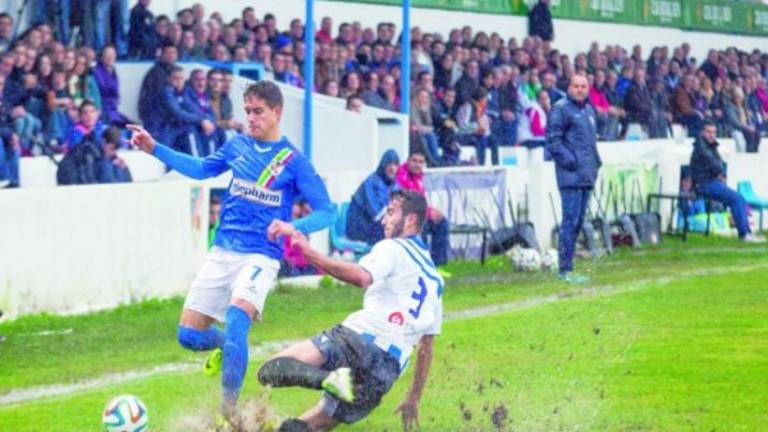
[339, 383]
[4, 183]
[753, 238]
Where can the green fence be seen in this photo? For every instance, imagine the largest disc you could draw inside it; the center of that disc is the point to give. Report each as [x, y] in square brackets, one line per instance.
[705, 15]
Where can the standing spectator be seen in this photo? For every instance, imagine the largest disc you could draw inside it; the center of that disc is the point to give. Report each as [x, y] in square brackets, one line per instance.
[111, 168]
[475, 126]
[421, 125]
[369, 202]
[410, 177]
[738, 119]
[540, 21]
[325, 34]
[572, 142]
[142, 35]
[708, 173]
[661, 116]
[106, 78]
[153, 87]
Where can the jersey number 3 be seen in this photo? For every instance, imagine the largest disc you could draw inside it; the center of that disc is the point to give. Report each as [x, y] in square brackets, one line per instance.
[420, 297]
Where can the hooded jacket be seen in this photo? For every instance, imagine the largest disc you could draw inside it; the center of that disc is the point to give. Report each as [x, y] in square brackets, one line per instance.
[369, 201]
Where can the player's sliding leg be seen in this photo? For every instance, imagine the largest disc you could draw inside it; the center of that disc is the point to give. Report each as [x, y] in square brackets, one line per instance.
[239, 317]
[311, 421]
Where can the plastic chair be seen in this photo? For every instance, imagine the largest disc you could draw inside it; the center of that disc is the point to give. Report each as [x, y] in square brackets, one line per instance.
[339, 240]
[755, 202]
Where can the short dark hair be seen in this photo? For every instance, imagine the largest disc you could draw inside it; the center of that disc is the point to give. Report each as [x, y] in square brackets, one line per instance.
[351, 98]
[267, 91]
[708, 122]
[86, 103]
[479, 94]
[412, 203]
[112, 136]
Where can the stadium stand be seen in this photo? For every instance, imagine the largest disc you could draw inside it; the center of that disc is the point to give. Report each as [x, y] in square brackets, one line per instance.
[47, 72]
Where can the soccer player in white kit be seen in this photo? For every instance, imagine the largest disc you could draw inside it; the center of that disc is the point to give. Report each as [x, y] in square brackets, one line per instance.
[358, 361]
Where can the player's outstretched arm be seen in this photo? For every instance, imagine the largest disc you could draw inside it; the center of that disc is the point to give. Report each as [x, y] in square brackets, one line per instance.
[409, 409]
[344, 271]
[196, 168]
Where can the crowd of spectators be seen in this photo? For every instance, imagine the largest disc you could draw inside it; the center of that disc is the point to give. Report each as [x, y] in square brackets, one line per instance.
[469, 87]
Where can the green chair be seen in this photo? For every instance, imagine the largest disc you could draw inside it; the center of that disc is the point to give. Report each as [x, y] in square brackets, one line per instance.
[755, 202]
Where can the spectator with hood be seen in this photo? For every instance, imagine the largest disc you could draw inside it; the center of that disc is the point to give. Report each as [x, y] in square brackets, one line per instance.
[370, 201]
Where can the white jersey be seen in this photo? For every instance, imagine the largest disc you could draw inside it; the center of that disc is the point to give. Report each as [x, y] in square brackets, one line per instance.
[404, 301]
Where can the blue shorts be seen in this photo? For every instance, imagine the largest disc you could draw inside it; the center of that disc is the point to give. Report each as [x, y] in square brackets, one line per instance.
[373, 370]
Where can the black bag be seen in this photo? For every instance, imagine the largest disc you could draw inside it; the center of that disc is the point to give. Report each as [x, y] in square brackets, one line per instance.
[626, 234]
[521, 232]
[80, 165]
[648, 224]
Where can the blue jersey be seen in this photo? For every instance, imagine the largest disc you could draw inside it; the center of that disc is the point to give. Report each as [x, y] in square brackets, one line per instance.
[266, 177]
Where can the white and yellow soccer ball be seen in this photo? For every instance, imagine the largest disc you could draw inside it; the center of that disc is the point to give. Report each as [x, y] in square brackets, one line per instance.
[125, 413]
[550, 261]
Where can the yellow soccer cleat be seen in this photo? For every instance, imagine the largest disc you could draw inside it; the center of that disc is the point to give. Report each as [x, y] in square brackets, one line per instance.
[212, 365]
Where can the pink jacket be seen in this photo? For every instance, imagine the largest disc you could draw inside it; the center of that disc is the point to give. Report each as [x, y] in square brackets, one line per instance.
[598, 99]
[413, 182]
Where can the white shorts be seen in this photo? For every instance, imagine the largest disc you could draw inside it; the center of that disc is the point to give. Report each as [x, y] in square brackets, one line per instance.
[226, 275]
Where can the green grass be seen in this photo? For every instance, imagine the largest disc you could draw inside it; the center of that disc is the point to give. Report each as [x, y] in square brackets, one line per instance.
[685, 354]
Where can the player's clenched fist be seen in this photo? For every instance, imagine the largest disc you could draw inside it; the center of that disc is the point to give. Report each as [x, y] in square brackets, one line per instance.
[141, 138]
[279, 228]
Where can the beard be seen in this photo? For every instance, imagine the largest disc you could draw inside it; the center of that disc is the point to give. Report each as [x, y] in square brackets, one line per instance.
[397, 229]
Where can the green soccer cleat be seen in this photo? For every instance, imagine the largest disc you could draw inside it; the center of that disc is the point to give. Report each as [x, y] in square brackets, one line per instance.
[339, 384]
[444, 273]
[573, 279]
[212, 365]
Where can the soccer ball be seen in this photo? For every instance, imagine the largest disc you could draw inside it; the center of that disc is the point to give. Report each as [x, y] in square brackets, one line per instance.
[531, 260]
[550, 261]
[524, 259]
[125, 413]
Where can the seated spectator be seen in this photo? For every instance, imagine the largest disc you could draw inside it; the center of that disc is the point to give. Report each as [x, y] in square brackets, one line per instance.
[755, 107]
[331, 88]
[196, 92]
[61, 112]
[10, 151]
[182, 120]
[221, 105]
[368, 204]
[111, 168]
[421, 125]
[549, 83]
[350, 85]
[355, 103]
[82, 85]
[468, 83]
[142, 36]
[475, 128]
[371, 93]
[106, 78]
[501, 109]
[684, 106]
[638, 103]
[532, 128]
[87, 125]
[153, 87]
[708, 173]
[661, 117]
[15, 117]
[737, 118]
[445, 127]
[282, 72]
[410, 177]
[607, 114]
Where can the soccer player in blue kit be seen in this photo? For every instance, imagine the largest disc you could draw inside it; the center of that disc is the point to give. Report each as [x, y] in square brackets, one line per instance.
[268, 172]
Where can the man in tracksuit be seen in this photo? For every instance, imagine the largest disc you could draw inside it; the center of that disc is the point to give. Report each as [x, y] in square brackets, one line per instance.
[708, 174]
[572, 142]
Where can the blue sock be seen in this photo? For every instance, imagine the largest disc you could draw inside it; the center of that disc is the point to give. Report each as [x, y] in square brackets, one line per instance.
[235, 353]
[200, 340]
